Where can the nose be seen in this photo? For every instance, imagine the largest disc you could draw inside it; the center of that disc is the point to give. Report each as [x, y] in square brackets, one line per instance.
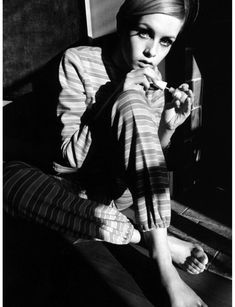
[151, 49]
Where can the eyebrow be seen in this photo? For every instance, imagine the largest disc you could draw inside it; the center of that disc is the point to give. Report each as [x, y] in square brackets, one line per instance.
[152, 30]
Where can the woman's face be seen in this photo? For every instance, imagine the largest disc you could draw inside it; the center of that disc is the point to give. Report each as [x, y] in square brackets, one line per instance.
[149, 41]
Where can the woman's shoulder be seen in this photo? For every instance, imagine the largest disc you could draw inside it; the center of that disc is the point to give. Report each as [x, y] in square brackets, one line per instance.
[88, 53]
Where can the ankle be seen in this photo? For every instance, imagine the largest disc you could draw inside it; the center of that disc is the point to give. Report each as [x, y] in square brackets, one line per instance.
[169, 276]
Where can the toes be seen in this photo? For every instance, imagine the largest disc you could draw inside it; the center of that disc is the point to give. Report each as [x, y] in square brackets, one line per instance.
[195, 267]
[198, 264]
[192, 268]
[204, 259]
[200, 255]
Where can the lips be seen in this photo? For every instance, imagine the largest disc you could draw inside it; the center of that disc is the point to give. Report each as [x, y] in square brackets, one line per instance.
[144, 64]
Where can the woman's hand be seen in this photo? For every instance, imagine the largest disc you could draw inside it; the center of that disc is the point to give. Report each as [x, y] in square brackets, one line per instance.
[140, 79]
[177, 111]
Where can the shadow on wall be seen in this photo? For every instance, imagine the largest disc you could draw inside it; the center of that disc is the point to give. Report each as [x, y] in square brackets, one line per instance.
[29, 122]
[34, 38]
[34, 32]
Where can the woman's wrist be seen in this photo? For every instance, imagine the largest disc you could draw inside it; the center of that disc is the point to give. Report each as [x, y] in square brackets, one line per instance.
[165, 135]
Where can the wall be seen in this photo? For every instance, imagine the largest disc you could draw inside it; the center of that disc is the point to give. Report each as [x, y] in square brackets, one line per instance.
[101, 16]
[34, 32]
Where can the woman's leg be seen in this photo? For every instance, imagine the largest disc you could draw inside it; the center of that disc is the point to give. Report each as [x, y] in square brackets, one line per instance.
[135, 129]
[140, 158]
[30, 193]
[136, 133]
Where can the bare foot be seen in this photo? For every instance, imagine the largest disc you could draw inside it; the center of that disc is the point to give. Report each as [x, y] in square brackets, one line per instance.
[189, 256]
[181, 295]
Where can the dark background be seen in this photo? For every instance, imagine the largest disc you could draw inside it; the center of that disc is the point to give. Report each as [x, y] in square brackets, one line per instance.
[40, 269]
[35, 33]
[213, 50]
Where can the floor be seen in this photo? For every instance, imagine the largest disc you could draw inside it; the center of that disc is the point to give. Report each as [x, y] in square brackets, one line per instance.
[132, 277]
[215, 237]
[43, 269]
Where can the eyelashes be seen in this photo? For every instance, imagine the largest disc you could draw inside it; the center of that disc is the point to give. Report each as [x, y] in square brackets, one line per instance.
[144, 33]
[148, 34]
[167, 42]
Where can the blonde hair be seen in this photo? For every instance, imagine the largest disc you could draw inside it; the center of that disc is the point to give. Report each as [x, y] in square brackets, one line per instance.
[185, 10]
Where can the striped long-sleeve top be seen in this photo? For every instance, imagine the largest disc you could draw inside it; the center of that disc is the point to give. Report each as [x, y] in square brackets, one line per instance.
[56, 202]
[82, 71]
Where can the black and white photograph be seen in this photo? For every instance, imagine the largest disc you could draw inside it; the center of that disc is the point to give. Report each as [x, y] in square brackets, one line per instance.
[117, 153]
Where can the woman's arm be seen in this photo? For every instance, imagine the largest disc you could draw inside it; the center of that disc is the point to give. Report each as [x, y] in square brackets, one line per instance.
[71, 107]
[164, 135]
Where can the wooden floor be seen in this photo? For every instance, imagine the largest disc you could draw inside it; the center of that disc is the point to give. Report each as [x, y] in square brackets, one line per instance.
[215, 237]
[42, 269]
[132, 276]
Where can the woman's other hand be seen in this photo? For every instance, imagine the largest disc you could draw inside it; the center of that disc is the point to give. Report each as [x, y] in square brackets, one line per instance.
[178, 110]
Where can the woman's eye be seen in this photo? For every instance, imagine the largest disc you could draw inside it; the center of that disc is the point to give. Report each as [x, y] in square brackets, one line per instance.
[166, 42]
[144, 33]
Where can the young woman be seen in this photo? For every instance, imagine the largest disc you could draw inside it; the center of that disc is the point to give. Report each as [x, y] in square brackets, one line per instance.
[116, 130]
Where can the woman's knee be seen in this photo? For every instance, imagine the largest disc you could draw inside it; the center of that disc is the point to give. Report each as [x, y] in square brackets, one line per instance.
[132, 107]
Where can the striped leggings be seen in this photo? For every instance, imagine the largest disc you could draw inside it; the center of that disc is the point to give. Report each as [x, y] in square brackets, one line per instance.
[135, 160]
